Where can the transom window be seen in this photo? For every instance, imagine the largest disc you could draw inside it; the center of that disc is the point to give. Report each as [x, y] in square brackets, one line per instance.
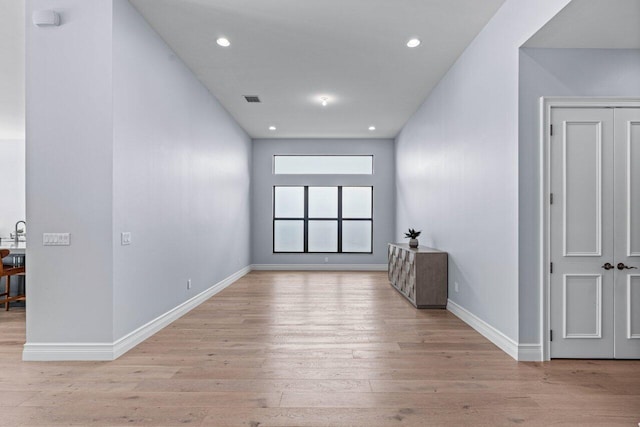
[322, 219]
[322, 165]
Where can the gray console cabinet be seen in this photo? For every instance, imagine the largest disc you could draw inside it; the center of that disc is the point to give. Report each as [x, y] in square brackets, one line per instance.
[420, 274]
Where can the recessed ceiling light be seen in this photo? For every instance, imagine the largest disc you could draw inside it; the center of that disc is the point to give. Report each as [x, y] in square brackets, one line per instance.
[324, 100]
[223, 42]
[372, 128]
[272, 128]
[413, 43]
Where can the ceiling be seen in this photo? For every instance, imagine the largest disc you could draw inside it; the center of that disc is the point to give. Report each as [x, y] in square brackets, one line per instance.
[592, 24]
[292, 52]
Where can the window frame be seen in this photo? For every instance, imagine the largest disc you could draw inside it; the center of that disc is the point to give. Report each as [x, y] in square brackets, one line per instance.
[339, 219]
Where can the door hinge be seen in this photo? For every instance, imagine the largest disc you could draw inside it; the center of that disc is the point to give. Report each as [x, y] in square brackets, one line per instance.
[551, 130]
[551, 335]
[551, 198]
[551, 267]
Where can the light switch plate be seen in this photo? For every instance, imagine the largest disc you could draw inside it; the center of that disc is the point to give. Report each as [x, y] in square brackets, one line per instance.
[56, 239]
[125, 238]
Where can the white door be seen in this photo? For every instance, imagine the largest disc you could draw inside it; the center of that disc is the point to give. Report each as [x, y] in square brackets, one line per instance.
[595, 225]
[627, 233]
[582, 233]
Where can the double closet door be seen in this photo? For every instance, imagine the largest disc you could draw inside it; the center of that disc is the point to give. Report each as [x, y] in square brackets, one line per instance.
[595, 233]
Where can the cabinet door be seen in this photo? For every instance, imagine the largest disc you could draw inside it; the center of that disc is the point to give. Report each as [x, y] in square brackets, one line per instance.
[402, 272]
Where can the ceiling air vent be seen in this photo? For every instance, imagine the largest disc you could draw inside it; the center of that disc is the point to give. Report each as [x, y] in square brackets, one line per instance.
[251, 98]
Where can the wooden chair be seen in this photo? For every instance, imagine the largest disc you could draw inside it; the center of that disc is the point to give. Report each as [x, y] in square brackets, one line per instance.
[8, 271]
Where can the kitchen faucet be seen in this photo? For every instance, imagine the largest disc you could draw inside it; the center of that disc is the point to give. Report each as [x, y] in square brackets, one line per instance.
[18, 232]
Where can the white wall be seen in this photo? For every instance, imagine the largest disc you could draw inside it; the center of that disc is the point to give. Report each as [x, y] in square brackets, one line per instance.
[12, 146]
[12, 174]
[121, 136]
[69, 155]
[12, 70]
[457, 166]
[263, 181]
[556, 72]
[181, 179]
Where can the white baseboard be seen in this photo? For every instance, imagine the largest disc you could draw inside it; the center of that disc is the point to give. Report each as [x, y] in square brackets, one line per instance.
[505, 343]
[111, 351]
[520, 352]
[46, 352]
[319, 267]
[530, 353]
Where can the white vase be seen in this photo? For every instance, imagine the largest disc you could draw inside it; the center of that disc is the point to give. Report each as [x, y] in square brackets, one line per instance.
[413, 243]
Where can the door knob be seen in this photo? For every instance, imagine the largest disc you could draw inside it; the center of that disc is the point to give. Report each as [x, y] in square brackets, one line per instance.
[621, 266]
[608, 266]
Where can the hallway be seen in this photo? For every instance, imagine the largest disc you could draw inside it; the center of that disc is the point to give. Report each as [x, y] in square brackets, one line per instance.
[313, 349]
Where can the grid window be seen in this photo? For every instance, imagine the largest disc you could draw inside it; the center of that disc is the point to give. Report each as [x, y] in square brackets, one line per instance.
[322, 219]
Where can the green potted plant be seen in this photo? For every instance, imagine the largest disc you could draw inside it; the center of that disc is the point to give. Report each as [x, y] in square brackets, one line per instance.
[412, 235]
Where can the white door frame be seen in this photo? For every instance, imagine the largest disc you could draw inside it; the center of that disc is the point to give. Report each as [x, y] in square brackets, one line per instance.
[546, 104]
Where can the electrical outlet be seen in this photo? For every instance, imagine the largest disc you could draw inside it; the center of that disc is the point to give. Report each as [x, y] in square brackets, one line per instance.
[455, 286]
[188, 283]
[125, 238]
[56, 239]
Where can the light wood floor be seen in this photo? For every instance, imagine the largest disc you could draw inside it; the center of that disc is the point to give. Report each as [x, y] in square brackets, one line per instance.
[313, 349]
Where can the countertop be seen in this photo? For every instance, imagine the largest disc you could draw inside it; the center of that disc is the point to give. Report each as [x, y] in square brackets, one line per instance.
[19, 248]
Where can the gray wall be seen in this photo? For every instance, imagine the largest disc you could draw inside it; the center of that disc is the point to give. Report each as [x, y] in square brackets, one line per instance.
[457, 166]
[122, 137]
[556, 72]
[263, 181]
[181, 178]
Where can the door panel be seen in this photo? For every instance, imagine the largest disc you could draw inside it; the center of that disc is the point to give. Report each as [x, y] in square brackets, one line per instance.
[582, 193]
[582, 294]
[582, 311]
[627, 233]
[630, 134]
[633, 308]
